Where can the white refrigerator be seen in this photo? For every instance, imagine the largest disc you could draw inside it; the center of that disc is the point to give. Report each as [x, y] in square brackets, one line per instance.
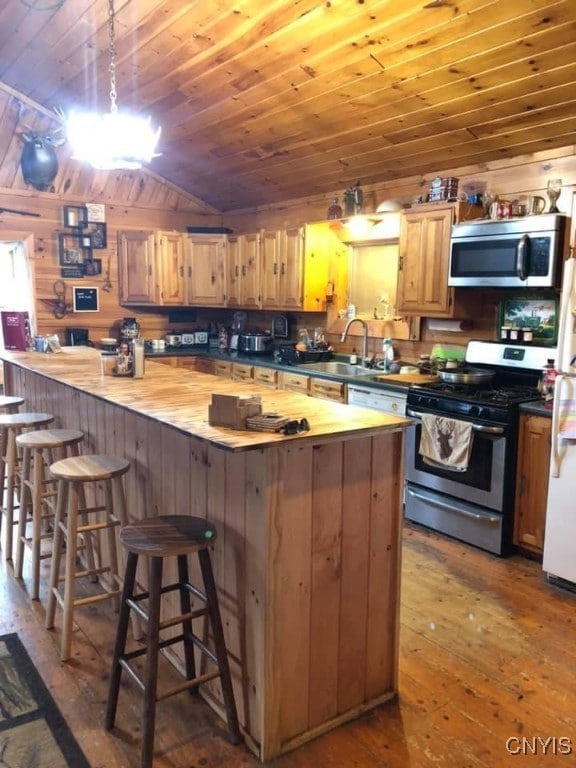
[559, 562]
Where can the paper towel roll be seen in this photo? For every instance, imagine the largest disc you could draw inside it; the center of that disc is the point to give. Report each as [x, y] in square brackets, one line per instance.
[450, 326]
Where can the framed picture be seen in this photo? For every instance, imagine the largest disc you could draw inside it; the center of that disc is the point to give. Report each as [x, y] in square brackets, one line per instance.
[93, 267]
[75, 216]
[68, 272]
[539, 314]
[96, 212]
[98, 235]
[70, 250]
[85, 299]
[85, 241]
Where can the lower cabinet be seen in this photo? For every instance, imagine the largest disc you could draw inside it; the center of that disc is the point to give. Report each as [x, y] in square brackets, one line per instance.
[223, 368]
[294, 382]
[328, 390]
[242, 372]
[266, 376]
[532, 482]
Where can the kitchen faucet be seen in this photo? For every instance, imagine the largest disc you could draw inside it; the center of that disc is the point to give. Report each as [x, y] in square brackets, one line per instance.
[364, 337]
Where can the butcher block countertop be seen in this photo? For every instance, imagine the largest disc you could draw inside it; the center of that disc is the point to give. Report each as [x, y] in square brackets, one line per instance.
[180, 398]
[307, 557]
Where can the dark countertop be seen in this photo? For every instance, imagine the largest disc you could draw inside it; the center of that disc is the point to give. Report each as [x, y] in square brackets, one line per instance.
[376, 380]
[538, 408]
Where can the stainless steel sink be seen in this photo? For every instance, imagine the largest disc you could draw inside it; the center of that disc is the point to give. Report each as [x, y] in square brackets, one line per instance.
[336, 369]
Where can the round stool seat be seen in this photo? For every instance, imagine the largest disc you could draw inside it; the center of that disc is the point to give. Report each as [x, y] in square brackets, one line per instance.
[89, 467]
[49, 438]
[24, 420]
[10, 401]
[167, 535]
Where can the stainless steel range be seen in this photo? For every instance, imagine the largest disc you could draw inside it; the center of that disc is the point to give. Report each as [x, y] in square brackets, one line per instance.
[474, 504]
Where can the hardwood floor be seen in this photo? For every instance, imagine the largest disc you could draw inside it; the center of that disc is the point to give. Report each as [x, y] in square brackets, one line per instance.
[488, 657]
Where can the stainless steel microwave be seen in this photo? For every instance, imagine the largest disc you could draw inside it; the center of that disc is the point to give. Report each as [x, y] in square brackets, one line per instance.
[522, 252]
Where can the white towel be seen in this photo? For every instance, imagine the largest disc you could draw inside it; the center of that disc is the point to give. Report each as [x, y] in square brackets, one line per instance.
[446, 442]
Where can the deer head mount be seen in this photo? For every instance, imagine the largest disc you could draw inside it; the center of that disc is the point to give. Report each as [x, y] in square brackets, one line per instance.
[38, 160]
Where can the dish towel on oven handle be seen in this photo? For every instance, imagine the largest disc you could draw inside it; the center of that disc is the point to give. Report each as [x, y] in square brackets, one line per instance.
[446, 443]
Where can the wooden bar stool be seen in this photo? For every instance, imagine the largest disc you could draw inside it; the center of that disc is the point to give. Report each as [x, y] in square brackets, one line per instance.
[12, 425]
[72, 475]
[156, 538]
[38, 492]
[8, 404]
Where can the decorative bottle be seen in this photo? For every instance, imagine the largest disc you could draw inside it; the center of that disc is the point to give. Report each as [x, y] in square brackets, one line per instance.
[130, 328]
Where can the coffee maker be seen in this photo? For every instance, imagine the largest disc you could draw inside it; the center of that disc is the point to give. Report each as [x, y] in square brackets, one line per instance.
[77, 337]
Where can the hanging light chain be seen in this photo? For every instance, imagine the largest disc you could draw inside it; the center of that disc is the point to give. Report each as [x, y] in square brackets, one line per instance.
[112, 54]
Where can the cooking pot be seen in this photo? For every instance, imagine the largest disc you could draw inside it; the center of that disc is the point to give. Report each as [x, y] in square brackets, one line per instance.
[173, 339]
[257, 343]
[467, 376]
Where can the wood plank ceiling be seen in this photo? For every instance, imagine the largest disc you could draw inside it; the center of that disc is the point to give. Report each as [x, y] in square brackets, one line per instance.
[262, 101]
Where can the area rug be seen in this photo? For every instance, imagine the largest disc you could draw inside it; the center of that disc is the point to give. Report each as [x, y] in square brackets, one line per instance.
[33, 733]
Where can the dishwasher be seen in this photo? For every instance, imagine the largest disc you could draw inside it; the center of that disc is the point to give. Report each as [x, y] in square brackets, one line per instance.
[378, 399]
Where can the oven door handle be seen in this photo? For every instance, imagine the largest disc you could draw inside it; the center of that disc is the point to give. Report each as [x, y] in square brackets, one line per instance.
[475, 427]
[464, 512]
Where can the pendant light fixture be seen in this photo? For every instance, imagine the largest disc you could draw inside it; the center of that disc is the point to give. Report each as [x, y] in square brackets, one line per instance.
[114, 140]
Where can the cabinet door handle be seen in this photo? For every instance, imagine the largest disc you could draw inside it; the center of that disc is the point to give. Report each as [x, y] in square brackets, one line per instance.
[283, 269]
[181, 271]
[243, 270]
[236, 270]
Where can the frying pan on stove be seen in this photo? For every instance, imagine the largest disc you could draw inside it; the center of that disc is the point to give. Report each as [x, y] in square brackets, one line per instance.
[467, 376]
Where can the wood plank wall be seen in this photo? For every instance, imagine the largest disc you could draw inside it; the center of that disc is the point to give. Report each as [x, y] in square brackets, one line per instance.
[142, 200]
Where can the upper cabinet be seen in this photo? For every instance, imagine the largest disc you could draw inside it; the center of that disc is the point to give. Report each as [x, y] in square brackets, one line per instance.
[282, 259]
[137, 267]
[170, 265]
[151, 267]
[205, 270]
[244, 271]
[282, 269]
[424, 258]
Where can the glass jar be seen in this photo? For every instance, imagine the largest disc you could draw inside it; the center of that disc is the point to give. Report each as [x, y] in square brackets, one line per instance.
[505, 332]
[527, 335]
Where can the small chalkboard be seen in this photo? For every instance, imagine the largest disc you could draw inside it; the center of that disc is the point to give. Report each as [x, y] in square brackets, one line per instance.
[280, 327]
[85, 299]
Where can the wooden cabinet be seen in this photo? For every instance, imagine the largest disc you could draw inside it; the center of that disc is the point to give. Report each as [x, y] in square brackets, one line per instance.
[295, 382]
[326, 389]
[137, 272]
[424, 258]
[296, 268]
[266, 376]
[244, 271]
[223, 368]
[241, 372]
[204, 365]
[169, 248]
[151, 267]
[532, 482]
[205, 270]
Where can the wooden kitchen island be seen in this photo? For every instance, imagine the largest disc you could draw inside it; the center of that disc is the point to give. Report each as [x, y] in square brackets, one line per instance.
[307, 559]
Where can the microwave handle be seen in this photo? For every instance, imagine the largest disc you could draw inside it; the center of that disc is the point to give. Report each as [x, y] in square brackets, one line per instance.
[522, 250]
